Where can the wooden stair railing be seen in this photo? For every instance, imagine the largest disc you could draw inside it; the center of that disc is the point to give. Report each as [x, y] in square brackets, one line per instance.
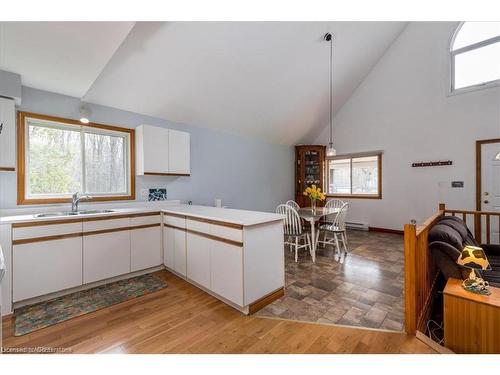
[421, 271]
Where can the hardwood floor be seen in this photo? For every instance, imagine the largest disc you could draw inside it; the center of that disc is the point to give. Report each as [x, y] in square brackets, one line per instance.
[184, 319]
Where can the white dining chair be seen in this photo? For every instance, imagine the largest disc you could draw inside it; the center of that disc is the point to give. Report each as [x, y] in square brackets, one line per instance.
[335, 229]
[293, 204]
[333, 204]
[293, 230]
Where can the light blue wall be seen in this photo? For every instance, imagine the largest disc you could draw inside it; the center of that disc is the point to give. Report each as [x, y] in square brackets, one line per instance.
[244, 172]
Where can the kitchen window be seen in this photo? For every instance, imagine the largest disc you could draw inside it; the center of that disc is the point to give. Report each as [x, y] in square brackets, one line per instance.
[58, 157]
[355, 176]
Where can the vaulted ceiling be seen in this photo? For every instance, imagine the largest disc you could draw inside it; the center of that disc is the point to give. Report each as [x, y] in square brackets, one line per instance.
[264, 79]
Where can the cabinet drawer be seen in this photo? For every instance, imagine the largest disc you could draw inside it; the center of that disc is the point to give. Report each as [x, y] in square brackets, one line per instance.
[228, 233]
[175, 221]
[19, 233]
[198, 226]
[145, 220]
[97, 225]
[45, 267]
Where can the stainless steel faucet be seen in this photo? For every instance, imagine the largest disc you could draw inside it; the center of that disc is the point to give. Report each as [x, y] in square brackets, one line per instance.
[76, 200]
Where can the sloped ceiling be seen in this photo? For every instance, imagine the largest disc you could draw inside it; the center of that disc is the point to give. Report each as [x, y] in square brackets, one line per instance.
[264, 79]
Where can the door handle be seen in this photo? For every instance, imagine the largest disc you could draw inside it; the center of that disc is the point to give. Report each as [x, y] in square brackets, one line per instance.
[486, 202]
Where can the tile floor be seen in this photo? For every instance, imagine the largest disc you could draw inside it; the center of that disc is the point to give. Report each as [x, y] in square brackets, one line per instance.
[363, 289]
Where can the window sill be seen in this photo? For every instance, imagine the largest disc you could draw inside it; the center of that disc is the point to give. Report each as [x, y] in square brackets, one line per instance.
[353, 196]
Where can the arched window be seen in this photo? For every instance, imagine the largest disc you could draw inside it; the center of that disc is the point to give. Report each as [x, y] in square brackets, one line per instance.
[475, 56]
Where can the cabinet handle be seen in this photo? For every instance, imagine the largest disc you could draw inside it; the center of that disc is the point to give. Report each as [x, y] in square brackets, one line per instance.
[1, 127]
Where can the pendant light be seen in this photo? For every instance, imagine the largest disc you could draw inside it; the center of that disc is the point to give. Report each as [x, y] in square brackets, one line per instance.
[84, 113]
[330, 151]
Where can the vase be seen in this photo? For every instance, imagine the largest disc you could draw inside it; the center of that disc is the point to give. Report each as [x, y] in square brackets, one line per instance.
[313, 206]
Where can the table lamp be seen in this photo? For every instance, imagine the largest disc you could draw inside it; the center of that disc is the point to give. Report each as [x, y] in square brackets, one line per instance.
[473, 257]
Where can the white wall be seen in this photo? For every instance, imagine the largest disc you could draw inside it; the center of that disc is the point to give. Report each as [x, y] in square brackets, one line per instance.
[245, 172]
[403, 108]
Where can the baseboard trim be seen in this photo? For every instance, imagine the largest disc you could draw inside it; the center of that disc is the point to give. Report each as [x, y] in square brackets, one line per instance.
[385, 230]
[432, 344]
[266, 300]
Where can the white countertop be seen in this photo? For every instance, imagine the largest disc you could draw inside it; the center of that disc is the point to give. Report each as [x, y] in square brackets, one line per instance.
[241, 217]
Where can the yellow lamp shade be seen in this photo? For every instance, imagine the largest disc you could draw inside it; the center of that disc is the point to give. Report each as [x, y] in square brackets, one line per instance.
[474, 257]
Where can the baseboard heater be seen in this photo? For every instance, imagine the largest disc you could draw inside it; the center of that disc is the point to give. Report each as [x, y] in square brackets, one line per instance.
[356, 226]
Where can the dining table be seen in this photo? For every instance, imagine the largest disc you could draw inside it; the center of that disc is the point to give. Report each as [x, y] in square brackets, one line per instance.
[312, 216]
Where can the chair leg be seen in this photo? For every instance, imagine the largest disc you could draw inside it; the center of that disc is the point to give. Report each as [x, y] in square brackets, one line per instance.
[336, 242]
[345, 237]
[296, 249]
[344, 242]
[309, 243]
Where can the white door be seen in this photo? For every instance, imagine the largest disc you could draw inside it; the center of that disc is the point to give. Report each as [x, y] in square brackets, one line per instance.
[198, 259]
[178, 152]
[7, 134]
[145, 248]
[490, 184]
[45, 267]
[106, 255]
[227, 271]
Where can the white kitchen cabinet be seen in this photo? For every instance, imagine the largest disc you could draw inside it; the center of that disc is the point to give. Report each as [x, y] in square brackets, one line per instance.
[7, 134]
[161, 151]
[198, 259]
[174, 249]
[178, 152]
[46, 266]
[226, 270]
[145, 248]
[105, 255]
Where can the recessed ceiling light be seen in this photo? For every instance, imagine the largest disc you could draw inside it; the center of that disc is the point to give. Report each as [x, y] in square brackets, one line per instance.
[84, 114]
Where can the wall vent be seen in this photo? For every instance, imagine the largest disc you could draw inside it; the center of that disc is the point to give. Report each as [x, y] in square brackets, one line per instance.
[356, 226]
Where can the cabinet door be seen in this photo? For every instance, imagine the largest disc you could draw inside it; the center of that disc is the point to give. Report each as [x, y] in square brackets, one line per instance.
[105, 255]
[168, 247]
[198, 259]
[155, 149]
[227, 271]
[178, 152]
[7, 134]
[145, 248]
[180, 251]
[45, 267]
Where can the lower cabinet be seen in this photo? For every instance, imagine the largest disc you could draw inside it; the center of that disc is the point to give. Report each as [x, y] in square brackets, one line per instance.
[45, 267]
[145, 248]
[174, 249]
[105, 255]
[226, 263]
[198, 259]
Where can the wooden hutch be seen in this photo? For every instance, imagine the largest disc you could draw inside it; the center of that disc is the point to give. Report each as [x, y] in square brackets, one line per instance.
[309, 170]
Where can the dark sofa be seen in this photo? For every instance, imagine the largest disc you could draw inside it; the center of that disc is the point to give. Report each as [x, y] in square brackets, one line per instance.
[448, 237]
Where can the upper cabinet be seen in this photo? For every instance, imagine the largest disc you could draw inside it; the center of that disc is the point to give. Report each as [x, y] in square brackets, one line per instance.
[161, 151]
[7, 134]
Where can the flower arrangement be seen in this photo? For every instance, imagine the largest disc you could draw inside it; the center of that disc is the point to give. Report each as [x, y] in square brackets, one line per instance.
[314, 193]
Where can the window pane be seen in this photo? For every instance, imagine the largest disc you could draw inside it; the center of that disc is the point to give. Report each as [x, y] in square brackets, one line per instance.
[365, 175]
[339, 176]
[474, 32]
[477, 66]
[105, 168]
[54, 162]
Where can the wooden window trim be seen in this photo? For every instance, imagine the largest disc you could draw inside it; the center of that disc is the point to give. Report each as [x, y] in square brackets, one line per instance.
[21, 157]
[379, 177]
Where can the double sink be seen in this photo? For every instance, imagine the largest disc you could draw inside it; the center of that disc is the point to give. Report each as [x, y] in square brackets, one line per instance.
[73, 213]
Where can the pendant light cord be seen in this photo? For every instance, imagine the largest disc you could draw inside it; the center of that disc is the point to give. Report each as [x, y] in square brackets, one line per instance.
[331, 90]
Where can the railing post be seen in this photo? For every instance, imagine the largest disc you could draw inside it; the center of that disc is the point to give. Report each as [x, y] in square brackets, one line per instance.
[442, 207]
[410, 243]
